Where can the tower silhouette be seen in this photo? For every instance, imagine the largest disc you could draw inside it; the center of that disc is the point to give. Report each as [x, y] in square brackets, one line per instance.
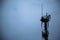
[45, 21]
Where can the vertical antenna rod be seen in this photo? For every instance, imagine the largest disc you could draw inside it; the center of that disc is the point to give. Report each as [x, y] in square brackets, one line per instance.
[42, 9]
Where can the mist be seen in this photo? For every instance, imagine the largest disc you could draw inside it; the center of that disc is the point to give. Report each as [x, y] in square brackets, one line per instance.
[20, 19]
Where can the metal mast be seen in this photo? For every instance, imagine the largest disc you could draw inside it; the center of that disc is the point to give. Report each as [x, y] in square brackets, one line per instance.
[44, 23]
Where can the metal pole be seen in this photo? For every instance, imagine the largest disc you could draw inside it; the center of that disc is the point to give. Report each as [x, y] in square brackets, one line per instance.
[45, 20]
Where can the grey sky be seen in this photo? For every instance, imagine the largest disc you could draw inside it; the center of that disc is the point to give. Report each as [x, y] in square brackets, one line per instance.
[20, 19]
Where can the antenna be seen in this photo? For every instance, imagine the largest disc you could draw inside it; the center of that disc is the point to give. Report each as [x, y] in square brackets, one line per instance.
[42, 9]
[45, 22]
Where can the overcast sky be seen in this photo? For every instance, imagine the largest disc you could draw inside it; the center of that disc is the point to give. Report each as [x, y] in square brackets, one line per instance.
[20, 19]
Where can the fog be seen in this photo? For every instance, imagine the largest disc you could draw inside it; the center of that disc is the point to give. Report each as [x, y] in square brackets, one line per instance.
[20, 19]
